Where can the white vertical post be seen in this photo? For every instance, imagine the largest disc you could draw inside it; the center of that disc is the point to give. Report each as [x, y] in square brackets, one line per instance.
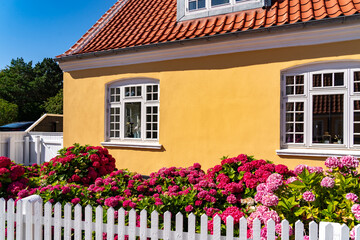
[243, 229]
[26, 151]
[121, 224]
[229, 228]
[191, 226]
[99, 223]
[110, 224]
[179, 226]
[216, 228]
[167, 226]
[10, 219]
[143, 225]
[344, 232]
[2, 219]
[47, 221]
[204, 227]
[285, 230]
[329, 232]
[67, 221]
[19, 221]
[57, 220]
[314, 231]
[132, 224]
[38, 149]
[77, 223]
[29, 211]
[88, 222]
[154, 225]
[257, 229]
[299, 230]
[38, 216]
[270, 229]
[11, 149]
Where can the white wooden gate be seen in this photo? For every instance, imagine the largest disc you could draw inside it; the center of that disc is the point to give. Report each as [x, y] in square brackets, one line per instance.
[29, 148]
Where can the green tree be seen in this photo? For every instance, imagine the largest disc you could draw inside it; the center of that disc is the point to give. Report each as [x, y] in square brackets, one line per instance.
[29, 87]
[55, 104]
[8, 112]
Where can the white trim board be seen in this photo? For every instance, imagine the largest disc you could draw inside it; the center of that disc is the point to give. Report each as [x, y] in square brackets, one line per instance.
[247, 42]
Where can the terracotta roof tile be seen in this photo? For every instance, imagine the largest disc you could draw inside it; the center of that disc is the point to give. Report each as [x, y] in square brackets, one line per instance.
[141, 22]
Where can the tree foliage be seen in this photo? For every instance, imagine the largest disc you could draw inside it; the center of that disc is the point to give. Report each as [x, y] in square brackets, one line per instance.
[55, 104]
[8, 112]
[29, 87]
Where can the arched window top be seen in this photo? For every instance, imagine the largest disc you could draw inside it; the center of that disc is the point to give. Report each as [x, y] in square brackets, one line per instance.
[321, 66]
[132, 81]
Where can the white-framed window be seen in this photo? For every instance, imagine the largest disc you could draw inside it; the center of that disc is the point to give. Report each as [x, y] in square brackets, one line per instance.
[132, 112]
[321, 107]
[192, 9]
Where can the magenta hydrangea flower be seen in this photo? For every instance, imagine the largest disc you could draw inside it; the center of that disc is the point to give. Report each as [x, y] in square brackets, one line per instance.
[75, 201]
[308, 196]
[189, 208]
[231, 199]
[351, 196]
[327, 182]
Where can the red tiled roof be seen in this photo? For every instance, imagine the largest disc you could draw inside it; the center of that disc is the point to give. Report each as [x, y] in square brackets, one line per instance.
[132, 23]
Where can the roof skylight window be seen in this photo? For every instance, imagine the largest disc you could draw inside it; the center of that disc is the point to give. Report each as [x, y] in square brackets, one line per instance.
[192, 9]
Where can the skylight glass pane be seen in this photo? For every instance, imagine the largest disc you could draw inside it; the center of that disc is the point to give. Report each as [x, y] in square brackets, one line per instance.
[218, 2]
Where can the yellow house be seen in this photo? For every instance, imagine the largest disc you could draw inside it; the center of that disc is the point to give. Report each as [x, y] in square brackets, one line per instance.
[169, 83]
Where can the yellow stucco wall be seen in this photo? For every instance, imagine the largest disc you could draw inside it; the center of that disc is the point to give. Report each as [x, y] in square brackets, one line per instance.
[209, 107]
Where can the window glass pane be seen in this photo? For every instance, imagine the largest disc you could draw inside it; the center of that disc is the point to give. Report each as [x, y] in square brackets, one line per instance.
[339, 79]
[356, 81]
[299, 138]
[155, 87]
[299, 106]
[192, 5]
[328, 117]
[289, 90]
[299, 90]
[289, 117]
[289, 127]
[299, 117]
[289, 138]
[290, 106]
[290, 80]
[133, 120]
[317, 80]
[327, 79]
[127, 92]
[138, 91]
[201, 4]
[218, 2]
[299, 127]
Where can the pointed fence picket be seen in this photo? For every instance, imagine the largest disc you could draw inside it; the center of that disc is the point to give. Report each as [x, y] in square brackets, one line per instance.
[33, 220]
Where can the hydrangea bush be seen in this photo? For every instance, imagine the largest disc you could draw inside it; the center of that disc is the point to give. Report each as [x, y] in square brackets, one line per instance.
[239, 187]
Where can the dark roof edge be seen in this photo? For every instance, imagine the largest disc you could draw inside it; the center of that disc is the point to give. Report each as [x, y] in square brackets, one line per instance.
[312, 23]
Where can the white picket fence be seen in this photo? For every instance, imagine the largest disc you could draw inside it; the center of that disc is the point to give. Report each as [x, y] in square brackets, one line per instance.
[32, 147]
[33, 221]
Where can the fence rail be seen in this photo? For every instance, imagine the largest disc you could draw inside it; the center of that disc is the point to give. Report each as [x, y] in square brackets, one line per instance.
[33, 221]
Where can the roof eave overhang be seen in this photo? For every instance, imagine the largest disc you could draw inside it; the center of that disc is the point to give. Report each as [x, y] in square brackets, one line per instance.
[343, 28]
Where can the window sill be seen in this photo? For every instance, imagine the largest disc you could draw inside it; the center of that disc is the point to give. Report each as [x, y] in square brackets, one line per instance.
[142, 145]
[317, 152]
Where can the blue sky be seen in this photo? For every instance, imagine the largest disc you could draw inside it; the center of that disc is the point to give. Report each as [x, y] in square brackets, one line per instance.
[34, 29]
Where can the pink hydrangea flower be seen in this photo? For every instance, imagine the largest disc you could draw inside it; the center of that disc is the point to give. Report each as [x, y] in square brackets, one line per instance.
[349, 162]
[299, 168]
[291, 179]
[274, 181]
[270, 199]
[308, 196]
[351, 196]
[333, 162]
[355, 209]
[327, 182]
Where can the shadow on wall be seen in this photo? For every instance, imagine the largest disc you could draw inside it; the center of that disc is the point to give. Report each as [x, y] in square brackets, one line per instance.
[232, 60]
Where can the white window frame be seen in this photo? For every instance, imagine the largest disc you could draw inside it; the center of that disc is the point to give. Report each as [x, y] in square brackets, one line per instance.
[320, 149]
[183, 12]
[122, 141]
